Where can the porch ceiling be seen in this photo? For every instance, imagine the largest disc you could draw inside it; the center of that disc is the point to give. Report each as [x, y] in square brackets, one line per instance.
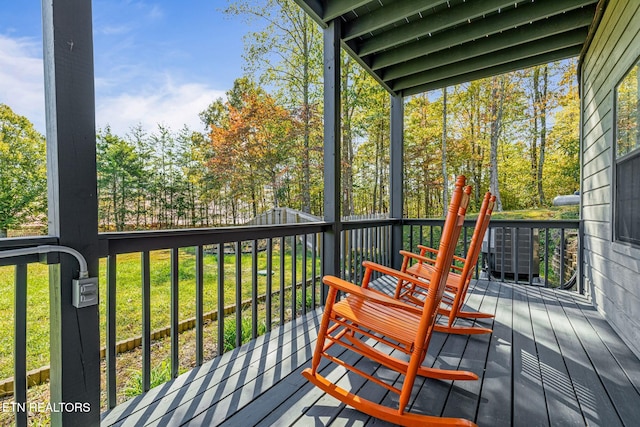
[412, 46]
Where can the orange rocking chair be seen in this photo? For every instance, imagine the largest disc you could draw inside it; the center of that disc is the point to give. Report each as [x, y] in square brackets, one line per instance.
[457, 282]
[366, 317]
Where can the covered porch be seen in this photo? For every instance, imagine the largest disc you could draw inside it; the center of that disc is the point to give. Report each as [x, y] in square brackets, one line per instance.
[551, 360]
[553, 357]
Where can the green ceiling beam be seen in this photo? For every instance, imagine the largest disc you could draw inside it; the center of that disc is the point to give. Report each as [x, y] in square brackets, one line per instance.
[521, 64]
[480, 28]
[388, 14]
[366, 67]
[507, 39]
[314, 9]
[430, 24]
[513, 54]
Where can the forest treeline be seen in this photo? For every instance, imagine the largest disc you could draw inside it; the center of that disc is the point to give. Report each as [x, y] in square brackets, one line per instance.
[261, 146]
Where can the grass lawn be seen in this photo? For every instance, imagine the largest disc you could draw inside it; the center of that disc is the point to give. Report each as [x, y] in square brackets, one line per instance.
[129, 296]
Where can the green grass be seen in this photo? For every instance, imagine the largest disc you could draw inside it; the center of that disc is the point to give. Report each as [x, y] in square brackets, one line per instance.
[553, 213]
[245, 331]
[129, 299]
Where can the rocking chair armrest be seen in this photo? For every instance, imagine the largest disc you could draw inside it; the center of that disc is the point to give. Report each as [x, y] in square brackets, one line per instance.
[369, 265]
[417, 257]
[368, 294]
[432, 261]
[424, 249]
[459, 258]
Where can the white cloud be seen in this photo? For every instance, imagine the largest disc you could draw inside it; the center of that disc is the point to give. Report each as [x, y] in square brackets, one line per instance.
[120, 102]
[171, 104]
[22, 78]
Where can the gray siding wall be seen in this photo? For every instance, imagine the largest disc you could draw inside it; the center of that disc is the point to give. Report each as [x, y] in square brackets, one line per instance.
[611, 270]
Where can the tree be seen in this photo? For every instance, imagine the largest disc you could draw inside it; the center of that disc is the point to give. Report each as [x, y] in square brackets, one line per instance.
[562, 171]
[445, 183]
[422, 157]
[250, 145]
[370, 140]
[119, 170]
[23, 179]
[288, 52]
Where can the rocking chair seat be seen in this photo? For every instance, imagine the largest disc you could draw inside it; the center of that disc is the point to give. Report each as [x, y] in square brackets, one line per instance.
[400, 326]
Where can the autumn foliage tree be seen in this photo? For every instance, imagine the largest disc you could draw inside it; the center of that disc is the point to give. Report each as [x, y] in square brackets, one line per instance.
[251, 145]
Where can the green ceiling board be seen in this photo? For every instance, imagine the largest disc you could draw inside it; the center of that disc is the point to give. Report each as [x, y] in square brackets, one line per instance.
[384, 16]
[410, 46]
[524, 34]
[513, 54]
[338, 8]
[521, 64]
[430, 24]
[480, 28]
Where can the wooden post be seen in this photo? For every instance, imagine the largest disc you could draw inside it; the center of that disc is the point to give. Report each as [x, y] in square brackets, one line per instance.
[73, 208]
[396, 176]
[332, 184]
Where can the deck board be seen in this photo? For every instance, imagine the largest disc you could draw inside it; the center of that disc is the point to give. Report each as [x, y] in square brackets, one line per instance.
[551, 360]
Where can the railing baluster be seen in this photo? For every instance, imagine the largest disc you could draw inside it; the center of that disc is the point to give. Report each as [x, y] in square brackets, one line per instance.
[254, 289]
[146, 320]
[504, 232]
[269, 284]
[360, 252]
[304, 274]
[431, 236]
[220, 307]
[294, 279]
[546, 257]
[411, 237]
[20, 345]
[465, 244]
[489, 258]
[199, 304]
[531, 260]
[175, 277]
[282, 253]
[314, 272]
[561, 256]
[516, 271]
[348, 271]
[111, 331]
[238, 342]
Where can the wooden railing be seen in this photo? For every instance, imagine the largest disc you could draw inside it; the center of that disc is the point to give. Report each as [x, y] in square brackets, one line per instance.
[543, 253]
[280, 265]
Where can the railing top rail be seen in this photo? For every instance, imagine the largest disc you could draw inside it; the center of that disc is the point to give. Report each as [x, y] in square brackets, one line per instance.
[13, 243]
[366, 223]
[138, 241]
[495, 223]
[27, 242]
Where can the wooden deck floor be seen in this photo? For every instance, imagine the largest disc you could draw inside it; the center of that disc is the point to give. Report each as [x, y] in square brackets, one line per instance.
[551, 360]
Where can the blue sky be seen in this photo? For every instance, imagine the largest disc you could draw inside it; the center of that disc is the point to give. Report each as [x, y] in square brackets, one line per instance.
[155, 61]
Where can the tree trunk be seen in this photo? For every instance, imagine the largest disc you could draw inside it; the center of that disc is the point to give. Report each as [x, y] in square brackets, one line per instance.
[306, 111]
[497, 101]
[543, 131]
[445, 183]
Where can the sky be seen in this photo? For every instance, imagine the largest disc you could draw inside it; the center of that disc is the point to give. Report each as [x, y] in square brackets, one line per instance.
[155, 62]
